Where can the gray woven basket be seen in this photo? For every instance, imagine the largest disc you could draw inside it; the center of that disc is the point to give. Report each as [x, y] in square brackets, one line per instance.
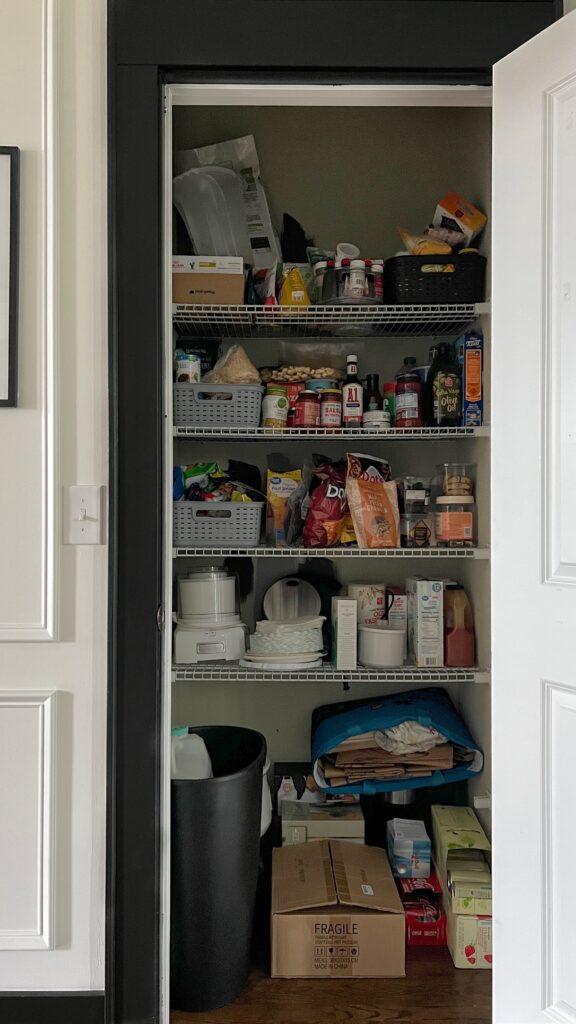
[201, 524]
[194, 405]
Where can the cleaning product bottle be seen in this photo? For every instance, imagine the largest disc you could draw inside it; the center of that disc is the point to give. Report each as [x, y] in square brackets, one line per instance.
[458, 628]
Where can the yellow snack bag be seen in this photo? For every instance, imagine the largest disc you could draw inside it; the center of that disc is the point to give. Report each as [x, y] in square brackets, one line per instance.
[293, 291]
[279, 487]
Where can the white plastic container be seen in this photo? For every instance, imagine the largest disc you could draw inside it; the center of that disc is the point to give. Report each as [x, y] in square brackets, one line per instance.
[210, 201]
[380, 647]
[208, 595]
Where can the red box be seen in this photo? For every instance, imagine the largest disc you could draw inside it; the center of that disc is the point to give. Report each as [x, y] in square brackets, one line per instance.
[425, 917]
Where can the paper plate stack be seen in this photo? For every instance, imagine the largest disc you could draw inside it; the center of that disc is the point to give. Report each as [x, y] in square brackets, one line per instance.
[288, 645]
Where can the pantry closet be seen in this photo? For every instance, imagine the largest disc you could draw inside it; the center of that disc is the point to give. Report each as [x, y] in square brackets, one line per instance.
[399, 160]
[350, 162]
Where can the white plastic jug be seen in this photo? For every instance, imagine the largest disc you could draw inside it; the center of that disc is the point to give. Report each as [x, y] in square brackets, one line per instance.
[190, 758]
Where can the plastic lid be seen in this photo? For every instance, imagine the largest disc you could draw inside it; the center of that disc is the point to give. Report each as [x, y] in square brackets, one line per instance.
[320, 265]
[276, 387]
[308, 391]
[456, 499]
[357, 264]
[331, 391]
[351, 359]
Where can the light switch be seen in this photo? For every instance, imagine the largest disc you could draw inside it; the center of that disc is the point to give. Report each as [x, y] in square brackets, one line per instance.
[83, 519]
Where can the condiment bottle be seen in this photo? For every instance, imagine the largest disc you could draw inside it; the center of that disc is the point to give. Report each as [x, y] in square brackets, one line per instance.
[458, 628]
[352, 395]
[408, 395]
[372, 398]
[389, 389]
[443, 404]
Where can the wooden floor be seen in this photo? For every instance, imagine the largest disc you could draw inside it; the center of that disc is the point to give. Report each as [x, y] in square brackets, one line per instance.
[433, 992]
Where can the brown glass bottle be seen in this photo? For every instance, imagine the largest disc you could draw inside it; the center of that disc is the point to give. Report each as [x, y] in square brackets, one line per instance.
[373, 400]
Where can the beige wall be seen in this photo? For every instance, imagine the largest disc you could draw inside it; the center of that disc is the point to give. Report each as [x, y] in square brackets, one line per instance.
[52, 597]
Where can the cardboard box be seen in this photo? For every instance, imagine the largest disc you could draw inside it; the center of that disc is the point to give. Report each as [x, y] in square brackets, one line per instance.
[469, 940]
[425, 917]
[303, 823]
[207, 280]
[409, 848]
[344, 633]
[460, 848]
[336, 913]
[457, 214]
[398, 613]
[470, 354]
[425, 621]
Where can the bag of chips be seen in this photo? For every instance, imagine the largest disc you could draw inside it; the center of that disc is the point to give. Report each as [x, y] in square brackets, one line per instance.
[328, 521]
[373, 502]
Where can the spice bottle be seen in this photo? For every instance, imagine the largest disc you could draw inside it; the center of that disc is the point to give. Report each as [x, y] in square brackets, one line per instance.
[372, 398]
[352, 395]
[408, 395]
[443, 404]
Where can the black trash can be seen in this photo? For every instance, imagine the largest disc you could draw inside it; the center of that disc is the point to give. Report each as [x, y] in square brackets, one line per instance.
[215, 857]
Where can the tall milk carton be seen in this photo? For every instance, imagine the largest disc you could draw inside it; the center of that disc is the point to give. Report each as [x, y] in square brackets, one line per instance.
[425, 621]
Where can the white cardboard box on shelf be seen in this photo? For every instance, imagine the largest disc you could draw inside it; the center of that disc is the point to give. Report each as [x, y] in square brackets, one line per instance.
[207, 280]
[425, 621]
[344, 633]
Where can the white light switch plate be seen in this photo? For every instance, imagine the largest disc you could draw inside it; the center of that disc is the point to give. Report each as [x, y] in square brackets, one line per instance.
[83, 519]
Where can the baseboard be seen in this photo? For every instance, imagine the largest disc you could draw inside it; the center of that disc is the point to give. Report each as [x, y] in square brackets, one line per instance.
[52, 1007]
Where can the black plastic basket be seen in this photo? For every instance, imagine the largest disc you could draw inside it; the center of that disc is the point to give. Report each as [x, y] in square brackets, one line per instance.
[416, 280]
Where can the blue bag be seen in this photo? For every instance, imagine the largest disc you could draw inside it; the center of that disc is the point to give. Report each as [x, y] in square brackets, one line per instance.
[334, 723]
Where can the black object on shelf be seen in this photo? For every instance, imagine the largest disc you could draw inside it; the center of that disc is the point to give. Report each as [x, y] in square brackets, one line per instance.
[215, 861]
[417, 280]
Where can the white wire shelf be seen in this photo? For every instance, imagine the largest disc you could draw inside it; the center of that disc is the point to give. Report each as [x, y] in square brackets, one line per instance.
[353, 552]
[231, 672]
[327, 434]
[324, 321]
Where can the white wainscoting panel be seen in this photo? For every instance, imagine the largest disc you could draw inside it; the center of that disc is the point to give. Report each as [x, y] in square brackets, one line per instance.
[559, 843]
[559, 333]
[27, 743]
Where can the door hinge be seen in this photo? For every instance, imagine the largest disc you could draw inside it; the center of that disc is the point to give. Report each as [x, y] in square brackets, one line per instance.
[160, 617]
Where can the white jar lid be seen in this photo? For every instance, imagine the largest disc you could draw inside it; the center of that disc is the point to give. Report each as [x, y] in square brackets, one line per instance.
[357, 265]
[456, 499]
[321, 265]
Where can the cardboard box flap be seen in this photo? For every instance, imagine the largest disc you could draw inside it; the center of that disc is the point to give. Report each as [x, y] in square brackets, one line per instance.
[302, 877]
[363, 877]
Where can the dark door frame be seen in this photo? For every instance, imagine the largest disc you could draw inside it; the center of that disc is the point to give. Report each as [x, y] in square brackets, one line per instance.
[152, 42]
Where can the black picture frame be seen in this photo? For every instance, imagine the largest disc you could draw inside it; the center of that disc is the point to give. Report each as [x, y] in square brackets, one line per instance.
[9, 276]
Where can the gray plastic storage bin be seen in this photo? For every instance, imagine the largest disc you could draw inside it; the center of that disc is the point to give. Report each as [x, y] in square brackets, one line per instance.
[202, 524]
[194, 406]
[215, 833]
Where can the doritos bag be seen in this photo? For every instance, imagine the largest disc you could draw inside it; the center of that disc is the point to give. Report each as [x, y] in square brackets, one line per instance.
[328, 522]
[373, 502]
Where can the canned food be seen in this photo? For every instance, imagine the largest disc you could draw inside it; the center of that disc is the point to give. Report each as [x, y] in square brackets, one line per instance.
[331, 408]
[293, 389]
[275, 407]
[307, 409]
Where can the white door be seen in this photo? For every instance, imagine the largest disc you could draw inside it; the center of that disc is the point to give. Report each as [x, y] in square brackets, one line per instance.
[534, 535]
